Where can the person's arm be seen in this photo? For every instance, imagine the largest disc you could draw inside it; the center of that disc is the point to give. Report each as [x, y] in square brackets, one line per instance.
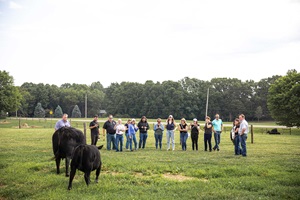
[104, 129]
[155, 127]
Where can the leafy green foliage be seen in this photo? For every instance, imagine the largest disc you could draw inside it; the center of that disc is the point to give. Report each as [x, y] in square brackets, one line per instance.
[10, 97]
[284, 99]
[76, 112]
[39, 111]
[58, 112]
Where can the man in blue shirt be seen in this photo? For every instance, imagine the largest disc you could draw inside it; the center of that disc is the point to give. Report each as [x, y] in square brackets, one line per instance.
[63, 122]
[217, 128]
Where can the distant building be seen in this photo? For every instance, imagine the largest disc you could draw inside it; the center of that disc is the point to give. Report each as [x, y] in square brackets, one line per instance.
[102, 112]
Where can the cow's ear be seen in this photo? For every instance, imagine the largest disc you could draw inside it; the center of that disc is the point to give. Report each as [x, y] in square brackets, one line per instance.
[100, 147]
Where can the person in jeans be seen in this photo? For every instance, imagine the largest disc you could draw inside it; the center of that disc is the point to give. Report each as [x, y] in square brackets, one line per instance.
[132, 129]
[108, 126]
[126, 133]
[143, 127]
[195, 127]
[235, 136]
[158, 133]
[217, 129]
[183, 128]
[120, 129]
[94, 126]
[207, 133]
[171, 128]
[243, 133]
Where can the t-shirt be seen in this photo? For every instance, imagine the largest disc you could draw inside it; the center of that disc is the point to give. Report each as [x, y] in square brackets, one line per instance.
[183, 127]
[217, 124]
[208, 130]
[95, 130]
[109, 126]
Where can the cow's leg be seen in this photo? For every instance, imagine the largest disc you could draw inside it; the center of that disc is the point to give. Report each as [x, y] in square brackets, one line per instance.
[73, 172]
[67, 166]
[87, 177]
[57, 160]
[98, 172]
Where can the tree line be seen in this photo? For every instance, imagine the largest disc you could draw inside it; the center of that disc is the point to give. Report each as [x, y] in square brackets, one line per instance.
[184, 98]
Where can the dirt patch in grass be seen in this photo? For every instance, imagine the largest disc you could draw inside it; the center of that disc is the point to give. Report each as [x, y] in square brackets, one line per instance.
[181, 178]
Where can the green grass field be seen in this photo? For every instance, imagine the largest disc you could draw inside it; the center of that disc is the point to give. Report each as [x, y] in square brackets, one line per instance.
[271, 170]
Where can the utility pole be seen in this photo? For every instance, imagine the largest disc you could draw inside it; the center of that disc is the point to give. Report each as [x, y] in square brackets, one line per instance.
[85, 105]
[207, 102]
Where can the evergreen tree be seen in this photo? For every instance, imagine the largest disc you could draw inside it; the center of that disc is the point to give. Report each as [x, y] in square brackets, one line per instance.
[39, 111]
[58, 112]
[76, 112]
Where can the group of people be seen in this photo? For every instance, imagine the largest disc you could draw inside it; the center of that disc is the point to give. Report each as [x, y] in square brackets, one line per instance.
[115, 132]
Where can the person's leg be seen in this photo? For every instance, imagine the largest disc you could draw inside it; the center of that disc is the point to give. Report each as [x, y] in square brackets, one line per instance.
[243, 139]
[168, 139]
[160, 140]
[185, 139]
[193, 143]
[135, 142]
[173, 139]
[209, 141]
[156, 140]
[141, 140]
[181, 141]
[130, 143]
[145, 139]
[196, 142]
[205, 142]
[127, 141]
[121, 142]
[216, 140]
[117, 142]
[113, 139]
[108, 141]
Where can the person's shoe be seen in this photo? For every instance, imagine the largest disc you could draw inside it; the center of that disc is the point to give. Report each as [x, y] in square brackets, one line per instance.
[205, 150]
[210, 150]
[214, 148]
[168, 149]
[218, 149]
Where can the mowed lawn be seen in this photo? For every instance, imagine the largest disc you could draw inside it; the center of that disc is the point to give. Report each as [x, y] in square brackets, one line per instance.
[271, 170]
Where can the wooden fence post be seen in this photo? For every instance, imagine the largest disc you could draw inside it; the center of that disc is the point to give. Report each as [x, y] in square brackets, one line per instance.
[84, 130]
[251, 133]
[19, 123]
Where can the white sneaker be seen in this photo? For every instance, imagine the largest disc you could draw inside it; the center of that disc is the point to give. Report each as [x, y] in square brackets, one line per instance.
[168, 149]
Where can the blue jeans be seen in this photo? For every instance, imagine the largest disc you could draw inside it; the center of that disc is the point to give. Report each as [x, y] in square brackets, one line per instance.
[217, 136]
[110, 138]
[170, 135]
[158, 139]
[119, 138]
[237, 149]
[183, 138]
[127, 141]
[133, 138]
[243, 139]
[143, 138]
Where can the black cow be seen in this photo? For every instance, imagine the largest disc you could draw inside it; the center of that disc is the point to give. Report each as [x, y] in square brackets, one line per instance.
[64, 141]
[86, 158]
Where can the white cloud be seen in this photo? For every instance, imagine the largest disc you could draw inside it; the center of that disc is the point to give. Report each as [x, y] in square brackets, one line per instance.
[14, 5]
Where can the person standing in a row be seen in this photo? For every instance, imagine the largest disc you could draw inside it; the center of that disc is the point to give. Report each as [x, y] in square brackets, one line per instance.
[94, 126]
[158, 133]
[143, 127]
[207, 133]
[108, 126]
[243, 133]
[132, 129]
[120, 129]
[217, 128]
[183, 128]
[195, 127]
[171, 128]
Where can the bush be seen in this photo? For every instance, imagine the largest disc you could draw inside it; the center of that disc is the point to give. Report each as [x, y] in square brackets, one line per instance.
[58, 112]
[39, 111]
[76, 112]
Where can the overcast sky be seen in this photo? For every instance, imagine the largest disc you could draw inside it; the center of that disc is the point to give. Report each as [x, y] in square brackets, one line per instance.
[70, 41]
